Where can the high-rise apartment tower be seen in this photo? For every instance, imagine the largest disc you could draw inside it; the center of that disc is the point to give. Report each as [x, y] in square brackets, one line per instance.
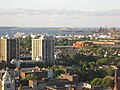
[43, 48]
[9, 49]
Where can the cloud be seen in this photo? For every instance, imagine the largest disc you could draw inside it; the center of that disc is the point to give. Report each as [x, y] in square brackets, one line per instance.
[52, 12]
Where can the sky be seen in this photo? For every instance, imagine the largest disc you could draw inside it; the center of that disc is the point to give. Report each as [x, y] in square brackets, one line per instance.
[59, 13]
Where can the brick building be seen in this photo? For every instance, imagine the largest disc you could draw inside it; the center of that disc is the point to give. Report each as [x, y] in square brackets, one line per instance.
[82, 44]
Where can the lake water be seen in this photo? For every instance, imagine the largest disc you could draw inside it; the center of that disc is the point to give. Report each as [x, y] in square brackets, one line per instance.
[13, 30]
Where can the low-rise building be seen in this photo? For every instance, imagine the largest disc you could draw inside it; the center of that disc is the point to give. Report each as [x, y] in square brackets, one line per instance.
[72, 78]
[82, 44]
[38, 72]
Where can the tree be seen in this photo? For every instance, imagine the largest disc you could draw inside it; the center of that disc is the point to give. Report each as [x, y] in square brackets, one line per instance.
[59, 72]
[118, 64]
[26, 44]
[110, 71]
[31, 77]
[102, 61]
[92, 64]
[107, 82]
[61, 42]
[100, 52]
[96, 82]
[58, 69]
[100, 73]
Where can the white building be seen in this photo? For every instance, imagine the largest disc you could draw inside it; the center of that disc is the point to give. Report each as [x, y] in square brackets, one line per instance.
[7, 82]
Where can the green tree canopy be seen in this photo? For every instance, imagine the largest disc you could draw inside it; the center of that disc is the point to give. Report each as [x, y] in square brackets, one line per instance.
[96, 82]
[107, 82]
[102, 61]
[31, 77]
[100, 52]
[118, 64]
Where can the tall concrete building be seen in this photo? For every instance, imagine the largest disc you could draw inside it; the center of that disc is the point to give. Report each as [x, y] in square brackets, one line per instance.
[9, 49]
[43, 48]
